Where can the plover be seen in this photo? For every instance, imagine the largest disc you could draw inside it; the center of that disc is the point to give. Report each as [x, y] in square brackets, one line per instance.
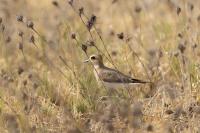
[111, 78]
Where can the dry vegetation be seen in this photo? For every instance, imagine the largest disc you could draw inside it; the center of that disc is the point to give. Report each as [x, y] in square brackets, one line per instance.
[45, 87]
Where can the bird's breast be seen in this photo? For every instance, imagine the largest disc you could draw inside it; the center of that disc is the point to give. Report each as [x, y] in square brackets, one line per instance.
[96, 74]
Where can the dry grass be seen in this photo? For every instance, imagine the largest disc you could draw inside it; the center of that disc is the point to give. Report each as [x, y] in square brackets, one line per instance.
[45, 87]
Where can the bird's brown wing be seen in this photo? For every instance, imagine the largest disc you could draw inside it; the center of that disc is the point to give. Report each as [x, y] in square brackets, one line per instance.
[111, 75]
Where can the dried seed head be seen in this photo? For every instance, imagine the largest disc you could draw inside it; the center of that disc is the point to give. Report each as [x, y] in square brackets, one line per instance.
[178, 10]
[30, 76]
[84, 48]
[176, 53]
[149, 128]
[20, 18]
[70, 2]
[114, 1]
[32, 39]
[2, 27]
[152, 52]
[93, 18]
[81, 11]
[181, 47]
[91, 43]
[180, 35]
[8, 39]
[55, 3]
[20, 46]
[138, 9]
[89, 25]
[73, 35]
[21, 33]
[91, 22]
[194, 46]
[30, 24]
[1, 20]
[160, 53]
[169, 112]
[20, 70]
[198, 18]
[114, 53]
[25, 82]
[112, 33]
[191, 6]
[120, 35]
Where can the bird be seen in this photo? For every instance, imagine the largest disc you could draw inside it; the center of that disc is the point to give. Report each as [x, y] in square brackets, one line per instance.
[111, 78]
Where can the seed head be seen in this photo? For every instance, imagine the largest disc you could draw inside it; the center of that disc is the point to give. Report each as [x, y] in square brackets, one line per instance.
[20, 18]
[8, 39]
[149, 128]
[181, 47]
[55, 3]
[1, 20]
[73, 35]
[169, 112]
[70, 2]
[25, 82]
[120, 35]
[114, 1]
[20, 46]
[112, 33]
[194, 46]
[191, 6]
[30, 76]
[84, 48]
[198, 18]
[93, 18]
[114, 53]
[138, 9]
[20, 70]
[30, 24]
[2, 27]
[180, 35]
[178, 10]
[32, 39]
[90, 43]
[176, 54]
[81, 11]
[21, 33]
[89, 25]
[160, 53]
[91, 22]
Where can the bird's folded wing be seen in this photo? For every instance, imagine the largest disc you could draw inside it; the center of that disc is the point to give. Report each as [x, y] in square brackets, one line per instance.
[114, 76]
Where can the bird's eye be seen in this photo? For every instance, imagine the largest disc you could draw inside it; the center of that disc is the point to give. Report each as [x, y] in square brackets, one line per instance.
[93, 58]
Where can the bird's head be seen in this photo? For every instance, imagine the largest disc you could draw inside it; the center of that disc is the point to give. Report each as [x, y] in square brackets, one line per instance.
[96, 60]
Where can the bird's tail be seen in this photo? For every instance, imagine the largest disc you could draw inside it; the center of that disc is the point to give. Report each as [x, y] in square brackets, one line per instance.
[140, 81]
